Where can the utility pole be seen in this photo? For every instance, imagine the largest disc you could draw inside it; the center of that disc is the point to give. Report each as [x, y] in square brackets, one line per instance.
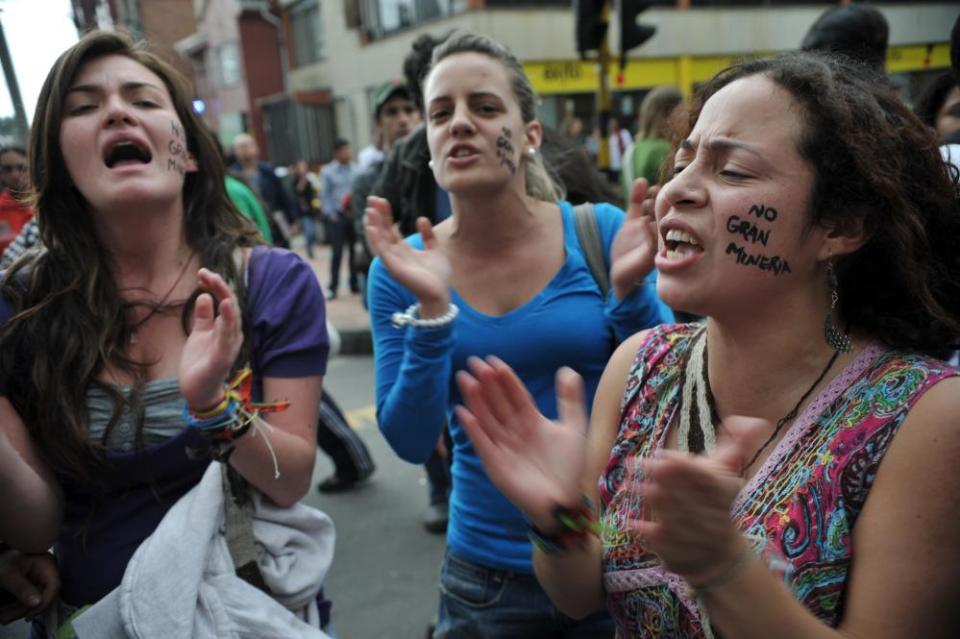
[19, 115]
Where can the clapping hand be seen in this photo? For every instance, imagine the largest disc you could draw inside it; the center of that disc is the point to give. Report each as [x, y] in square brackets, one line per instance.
[425, 273]
[537, 463]
[635, 246]
[213, 345]
[687, 501]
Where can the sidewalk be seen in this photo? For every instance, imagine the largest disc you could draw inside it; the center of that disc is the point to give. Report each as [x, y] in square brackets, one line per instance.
[346, 312]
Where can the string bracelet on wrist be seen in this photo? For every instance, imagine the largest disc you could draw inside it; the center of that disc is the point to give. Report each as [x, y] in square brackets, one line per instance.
[232, 417]
[736, 569]
[410, 317]
[576, 524]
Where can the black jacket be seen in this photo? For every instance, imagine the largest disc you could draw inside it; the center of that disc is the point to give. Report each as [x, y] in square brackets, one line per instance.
[406, 181]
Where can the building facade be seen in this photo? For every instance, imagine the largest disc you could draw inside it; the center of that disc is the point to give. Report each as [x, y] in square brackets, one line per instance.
[340, 49]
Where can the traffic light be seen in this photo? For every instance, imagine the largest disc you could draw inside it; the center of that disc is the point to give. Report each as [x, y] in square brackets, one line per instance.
[591, 24]
[632, 35]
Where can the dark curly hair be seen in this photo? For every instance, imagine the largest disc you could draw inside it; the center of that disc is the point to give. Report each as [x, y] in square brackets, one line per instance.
[70, 320]
[874, 165]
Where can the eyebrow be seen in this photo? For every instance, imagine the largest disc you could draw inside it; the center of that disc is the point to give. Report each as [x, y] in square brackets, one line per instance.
[126, 87]
[472, 96]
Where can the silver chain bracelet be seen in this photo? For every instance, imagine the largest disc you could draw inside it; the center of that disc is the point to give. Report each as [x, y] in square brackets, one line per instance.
[408, 318]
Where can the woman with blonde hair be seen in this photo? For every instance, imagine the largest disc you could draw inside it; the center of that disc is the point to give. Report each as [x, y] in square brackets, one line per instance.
[505, 275]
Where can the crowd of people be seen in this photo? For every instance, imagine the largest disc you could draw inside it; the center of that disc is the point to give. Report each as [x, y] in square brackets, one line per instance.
[720, 410]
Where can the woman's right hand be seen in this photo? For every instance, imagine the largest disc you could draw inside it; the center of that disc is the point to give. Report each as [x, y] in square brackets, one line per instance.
[424, 273]
[535, 462]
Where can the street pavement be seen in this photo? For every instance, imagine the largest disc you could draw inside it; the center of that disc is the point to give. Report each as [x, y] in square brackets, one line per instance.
[386, 566]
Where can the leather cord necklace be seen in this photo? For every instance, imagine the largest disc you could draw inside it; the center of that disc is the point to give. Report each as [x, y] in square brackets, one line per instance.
[699, 436]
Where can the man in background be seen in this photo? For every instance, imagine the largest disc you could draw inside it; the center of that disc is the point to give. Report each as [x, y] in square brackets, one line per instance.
[395, 115]
[262, 178]
[336, 180]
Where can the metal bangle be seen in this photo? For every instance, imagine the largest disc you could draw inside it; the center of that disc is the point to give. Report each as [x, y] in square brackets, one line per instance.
[409, 318]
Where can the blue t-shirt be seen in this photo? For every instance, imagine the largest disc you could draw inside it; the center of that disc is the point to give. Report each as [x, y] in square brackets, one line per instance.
[99, 536]
[568, 323]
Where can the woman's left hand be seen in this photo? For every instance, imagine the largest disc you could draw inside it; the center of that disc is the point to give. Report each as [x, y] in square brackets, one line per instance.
[635, 246]
[687, 501]
[213, 345]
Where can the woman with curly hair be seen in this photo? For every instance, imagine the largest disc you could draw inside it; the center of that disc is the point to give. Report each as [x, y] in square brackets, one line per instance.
[118, 338]
[811, 220]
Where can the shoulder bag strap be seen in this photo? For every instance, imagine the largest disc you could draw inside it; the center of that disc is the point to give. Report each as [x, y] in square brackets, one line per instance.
[588, 234]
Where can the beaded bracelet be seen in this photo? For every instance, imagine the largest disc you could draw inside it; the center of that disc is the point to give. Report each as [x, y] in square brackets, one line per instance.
[408, 318]
[576, 524]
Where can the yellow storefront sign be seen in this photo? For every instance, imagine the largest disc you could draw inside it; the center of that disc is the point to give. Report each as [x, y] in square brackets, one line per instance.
[576, 76]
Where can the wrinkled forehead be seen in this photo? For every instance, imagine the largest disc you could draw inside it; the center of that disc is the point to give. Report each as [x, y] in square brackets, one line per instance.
[752, 109]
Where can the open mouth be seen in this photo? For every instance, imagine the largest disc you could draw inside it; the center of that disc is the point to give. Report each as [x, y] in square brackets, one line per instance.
[126, 152]
[680, 244]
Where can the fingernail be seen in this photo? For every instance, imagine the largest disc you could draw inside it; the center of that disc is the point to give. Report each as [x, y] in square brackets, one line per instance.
[33, 600]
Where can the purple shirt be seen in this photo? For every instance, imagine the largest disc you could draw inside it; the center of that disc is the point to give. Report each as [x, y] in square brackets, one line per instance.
[99, 535]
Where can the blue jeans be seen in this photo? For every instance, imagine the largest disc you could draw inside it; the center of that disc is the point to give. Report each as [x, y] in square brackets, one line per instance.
[308, 224]
[477, 602]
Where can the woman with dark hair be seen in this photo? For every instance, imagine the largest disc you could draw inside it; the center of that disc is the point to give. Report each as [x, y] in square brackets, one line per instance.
[811, 220]
[939, 105]
[119, 337]
[505, 274]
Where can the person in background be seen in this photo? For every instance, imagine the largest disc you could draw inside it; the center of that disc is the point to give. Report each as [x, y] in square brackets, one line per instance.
[661, 113]
[336, 179]
[505, 274]
[395, 115]
[15, 180]
[857, 31]
[407, 183]
[262, 178]
[305, 197]
[787, 468]
[373, 153]
[618, 140]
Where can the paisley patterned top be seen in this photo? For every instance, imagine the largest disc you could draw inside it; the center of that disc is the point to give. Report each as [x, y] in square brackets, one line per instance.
[800, 508]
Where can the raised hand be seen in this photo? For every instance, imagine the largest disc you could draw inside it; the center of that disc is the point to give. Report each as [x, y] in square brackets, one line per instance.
[213, 345]
[635, 246]
[687, 501]
[535, 462]
[424, 273]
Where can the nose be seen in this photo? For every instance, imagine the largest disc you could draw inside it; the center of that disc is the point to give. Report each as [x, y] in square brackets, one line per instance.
[460, 123]
[117, 111]
[685, 189]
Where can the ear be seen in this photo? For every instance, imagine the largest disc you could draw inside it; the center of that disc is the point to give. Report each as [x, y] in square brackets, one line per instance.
[192, 166]
[846, 237]
[533, 136]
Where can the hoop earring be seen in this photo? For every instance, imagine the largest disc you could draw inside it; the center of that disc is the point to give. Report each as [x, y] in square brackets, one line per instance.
[836, 338]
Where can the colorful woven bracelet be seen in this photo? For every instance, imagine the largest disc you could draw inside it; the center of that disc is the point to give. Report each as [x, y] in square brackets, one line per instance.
[575, 523]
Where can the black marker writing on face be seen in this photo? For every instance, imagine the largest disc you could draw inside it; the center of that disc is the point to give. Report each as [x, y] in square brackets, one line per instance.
[505, 151]
[763, 212]
[748, 230]
[178, 150]
[775, 264]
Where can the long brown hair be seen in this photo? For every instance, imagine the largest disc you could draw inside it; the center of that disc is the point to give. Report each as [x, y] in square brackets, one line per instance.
[69, 319]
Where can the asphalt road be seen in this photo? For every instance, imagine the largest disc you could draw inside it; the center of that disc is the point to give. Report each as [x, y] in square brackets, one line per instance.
[383, 582]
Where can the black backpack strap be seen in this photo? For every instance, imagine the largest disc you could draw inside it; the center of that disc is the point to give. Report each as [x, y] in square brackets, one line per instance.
[588, 234]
